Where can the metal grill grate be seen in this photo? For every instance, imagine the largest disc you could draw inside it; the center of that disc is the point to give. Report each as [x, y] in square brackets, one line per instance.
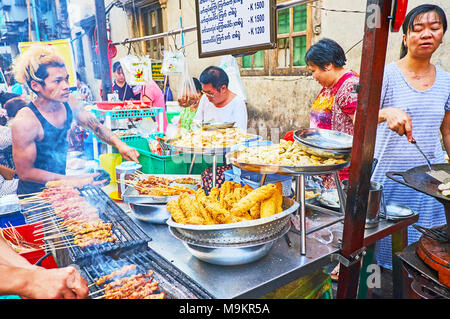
[171, 281]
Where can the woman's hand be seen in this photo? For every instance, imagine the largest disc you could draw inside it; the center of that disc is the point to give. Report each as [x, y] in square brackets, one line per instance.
[397, 120]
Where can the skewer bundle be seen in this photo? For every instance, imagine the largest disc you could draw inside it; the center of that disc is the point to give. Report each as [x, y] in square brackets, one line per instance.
[69, 214]
[16, 241]
[137, 286]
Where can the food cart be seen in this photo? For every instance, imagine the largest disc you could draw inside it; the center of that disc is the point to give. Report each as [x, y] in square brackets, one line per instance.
[158, 248]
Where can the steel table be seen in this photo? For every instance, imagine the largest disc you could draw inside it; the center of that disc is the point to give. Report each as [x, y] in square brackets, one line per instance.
[282, 265]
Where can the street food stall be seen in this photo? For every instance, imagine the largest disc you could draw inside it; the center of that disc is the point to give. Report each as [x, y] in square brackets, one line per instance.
[168, 238]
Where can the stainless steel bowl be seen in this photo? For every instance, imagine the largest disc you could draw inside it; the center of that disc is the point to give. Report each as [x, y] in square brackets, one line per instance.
[229, 255]
[324, 143]
[154, 213]
[244, 232]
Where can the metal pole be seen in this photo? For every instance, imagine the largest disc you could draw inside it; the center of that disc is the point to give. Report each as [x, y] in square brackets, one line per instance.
[372, 70]
[102, 39]
[280, 6]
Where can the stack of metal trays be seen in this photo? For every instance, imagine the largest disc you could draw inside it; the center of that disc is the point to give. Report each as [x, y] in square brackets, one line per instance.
[324, 143]
[232, 158]
[235, 243]
[207, 150]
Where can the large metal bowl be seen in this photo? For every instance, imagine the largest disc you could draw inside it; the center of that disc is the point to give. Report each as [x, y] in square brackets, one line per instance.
[238, 233]
[151, 213]
[324, 143]
[232, 158]
[230, 255]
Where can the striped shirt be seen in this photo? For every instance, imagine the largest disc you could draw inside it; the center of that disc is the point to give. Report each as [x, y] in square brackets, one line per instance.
[394, 153]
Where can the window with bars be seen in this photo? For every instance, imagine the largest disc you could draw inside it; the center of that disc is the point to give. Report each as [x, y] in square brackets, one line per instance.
[151, 22]
[293, 40]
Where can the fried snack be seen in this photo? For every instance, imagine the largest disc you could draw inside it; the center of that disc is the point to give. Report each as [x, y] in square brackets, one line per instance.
[207, 217]
[191, 211]
[269, 206]
[227, 187]
[248, 201]
[255, 211]
[220, 215]
[176, 212]
[214, 194]
[200, 196]
[279, 197]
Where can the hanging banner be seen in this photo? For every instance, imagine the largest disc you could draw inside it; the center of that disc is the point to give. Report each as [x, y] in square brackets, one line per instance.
[235, 26]
[64, 48]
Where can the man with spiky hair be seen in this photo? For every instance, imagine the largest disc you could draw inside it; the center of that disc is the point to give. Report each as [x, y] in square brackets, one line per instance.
[39, 132]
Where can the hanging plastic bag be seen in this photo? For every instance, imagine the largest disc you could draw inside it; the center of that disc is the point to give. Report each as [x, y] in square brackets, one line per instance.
[137, 70]
[229, 64]
[173, 63]
[187, 93]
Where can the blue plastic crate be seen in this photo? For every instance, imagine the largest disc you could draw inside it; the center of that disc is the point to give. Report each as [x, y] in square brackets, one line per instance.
[125, 114]
[14, 219]
[254, 180]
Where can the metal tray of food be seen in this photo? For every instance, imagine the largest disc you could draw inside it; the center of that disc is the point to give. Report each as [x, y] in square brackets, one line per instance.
[207, 150]
[238, 233]
[216, 126]
[324, 139]
[284, 170]
[132, 196]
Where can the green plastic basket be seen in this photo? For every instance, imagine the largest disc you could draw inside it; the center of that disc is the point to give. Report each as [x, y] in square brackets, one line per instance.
[158, 164]
[202, 162]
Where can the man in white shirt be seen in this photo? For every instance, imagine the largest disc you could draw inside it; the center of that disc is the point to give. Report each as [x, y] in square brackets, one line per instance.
[218, 103]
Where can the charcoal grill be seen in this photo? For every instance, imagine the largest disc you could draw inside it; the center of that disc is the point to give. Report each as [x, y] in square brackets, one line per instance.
[130, 236]
[172, 281]
[433, 248]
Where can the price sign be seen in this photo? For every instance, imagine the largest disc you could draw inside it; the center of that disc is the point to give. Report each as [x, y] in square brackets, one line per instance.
[235, 26]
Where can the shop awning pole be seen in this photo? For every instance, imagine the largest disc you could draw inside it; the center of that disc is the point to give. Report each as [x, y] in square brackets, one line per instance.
[102, 39]
[371, 79]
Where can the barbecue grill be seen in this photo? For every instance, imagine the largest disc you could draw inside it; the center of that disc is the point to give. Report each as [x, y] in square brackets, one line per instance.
[173, 282]
[433, 248]
[131, 237]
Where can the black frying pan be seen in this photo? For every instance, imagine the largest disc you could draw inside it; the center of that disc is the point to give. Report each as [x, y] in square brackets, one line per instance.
[418, 179]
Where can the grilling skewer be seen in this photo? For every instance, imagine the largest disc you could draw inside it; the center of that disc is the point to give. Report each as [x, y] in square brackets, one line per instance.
[115, 273]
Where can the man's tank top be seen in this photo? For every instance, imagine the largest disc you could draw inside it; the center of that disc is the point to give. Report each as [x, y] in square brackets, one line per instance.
[51, 151]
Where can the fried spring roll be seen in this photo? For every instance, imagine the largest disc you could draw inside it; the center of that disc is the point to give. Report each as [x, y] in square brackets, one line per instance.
[258, 195]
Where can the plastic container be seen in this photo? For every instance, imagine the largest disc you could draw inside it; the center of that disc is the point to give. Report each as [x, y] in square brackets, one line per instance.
[125, 114]
[171, 115]
[109, 162]
[108, 105]
[26, 231]
[158, 164]
[14, 219]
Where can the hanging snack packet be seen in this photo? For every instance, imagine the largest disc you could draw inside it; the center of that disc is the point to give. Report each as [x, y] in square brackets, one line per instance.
[172, 63]
[137, 70]
[187, 93]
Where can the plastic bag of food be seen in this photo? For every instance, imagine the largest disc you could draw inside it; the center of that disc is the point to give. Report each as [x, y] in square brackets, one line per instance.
[172, 63]
[187, 93]
[137, 70]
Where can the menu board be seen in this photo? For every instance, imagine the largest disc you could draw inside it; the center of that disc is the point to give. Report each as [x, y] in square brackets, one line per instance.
[235, 26]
